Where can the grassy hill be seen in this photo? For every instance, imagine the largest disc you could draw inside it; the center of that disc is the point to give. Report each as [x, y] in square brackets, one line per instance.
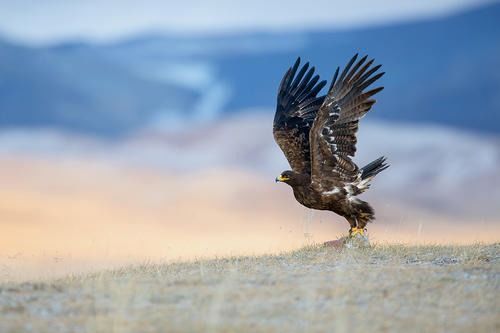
[384, 288]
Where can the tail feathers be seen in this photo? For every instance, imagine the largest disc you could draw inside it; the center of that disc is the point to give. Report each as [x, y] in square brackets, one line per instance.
[373, 168]
[369, 171]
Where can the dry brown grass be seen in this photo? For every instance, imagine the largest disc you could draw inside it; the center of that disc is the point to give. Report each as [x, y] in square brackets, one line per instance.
[315, 289]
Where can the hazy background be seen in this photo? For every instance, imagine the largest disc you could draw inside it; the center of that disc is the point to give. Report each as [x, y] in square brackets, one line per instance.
[143, 130]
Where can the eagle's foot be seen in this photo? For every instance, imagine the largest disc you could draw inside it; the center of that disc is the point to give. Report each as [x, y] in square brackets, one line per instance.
[356, 231]
[357, 238]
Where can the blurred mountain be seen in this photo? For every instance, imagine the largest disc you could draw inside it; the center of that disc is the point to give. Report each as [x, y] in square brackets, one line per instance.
[80, 92]
[433, 168]
[440, 71]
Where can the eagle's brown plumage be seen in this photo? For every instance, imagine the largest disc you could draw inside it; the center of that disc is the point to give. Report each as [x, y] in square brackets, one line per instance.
[317, 134]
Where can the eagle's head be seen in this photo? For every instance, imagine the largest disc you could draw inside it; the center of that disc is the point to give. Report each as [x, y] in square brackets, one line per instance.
[291, 178]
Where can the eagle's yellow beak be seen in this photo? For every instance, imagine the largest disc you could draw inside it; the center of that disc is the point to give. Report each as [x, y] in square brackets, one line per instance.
[280, 178]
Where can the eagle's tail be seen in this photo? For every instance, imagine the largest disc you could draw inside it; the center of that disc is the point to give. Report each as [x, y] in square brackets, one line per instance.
[369, 171]
[373, 168]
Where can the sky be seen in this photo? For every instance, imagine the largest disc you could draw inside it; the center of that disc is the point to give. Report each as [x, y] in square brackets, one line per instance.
[51, 21]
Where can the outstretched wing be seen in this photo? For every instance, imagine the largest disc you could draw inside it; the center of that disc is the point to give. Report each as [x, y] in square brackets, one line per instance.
[333, 134]
[295, 112]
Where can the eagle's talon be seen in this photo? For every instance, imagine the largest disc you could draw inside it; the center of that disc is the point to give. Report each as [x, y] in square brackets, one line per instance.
[356, 231]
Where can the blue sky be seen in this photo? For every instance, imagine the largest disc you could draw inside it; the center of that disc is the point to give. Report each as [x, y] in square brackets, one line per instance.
[49, 21]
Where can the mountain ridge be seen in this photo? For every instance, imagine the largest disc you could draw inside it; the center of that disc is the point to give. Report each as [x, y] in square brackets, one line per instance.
[439, 72]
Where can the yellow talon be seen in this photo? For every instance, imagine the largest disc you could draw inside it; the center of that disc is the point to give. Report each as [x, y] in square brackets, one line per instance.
[356, 231]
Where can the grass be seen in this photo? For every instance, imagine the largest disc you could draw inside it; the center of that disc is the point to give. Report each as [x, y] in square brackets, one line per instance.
[385, 288]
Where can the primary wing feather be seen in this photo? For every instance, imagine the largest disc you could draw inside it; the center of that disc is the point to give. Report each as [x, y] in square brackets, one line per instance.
[333, 134]
[296, 110]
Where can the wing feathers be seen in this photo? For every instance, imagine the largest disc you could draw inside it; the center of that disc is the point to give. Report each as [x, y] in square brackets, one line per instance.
[306, 91]
[362, 70]
[347, 67]
[317, 88]
[333, 135]
[334, 79]
[318, 133]
[287, 78]
[367, 74]
[297, 106]
[304, 82]
[355, 68]
[299, 77]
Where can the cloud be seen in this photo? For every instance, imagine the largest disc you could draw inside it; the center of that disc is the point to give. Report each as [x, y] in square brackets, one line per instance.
[51, 21]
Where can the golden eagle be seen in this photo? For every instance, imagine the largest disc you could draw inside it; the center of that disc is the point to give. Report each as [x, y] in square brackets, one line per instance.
[317, 134]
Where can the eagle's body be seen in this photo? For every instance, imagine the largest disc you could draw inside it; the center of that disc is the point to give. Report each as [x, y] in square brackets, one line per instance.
[317, 134]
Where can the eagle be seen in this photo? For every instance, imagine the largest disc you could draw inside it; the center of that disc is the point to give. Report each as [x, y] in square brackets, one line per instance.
[317, 134]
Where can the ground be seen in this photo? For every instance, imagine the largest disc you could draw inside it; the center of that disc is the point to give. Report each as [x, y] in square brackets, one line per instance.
[316, 289]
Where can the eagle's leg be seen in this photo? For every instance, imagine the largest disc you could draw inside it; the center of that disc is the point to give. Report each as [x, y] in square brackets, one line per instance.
[362, 213]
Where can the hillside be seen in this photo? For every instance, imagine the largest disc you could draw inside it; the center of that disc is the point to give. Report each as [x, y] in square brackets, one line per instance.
[385, 288]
